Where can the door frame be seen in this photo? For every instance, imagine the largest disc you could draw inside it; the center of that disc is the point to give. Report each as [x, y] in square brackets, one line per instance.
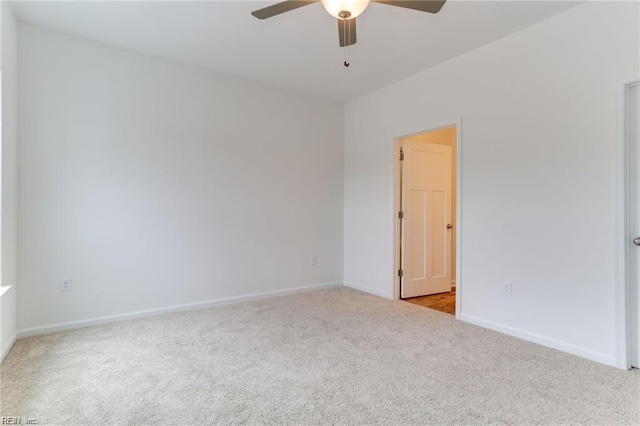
[397, 193]
[622, 307]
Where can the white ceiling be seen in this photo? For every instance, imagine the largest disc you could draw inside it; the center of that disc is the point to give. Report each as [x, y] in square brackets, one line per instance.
[298, 50]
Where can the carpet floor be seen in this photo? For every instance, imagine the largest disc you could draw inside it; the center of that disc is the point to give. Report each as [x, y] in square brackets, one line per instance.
[334, 356]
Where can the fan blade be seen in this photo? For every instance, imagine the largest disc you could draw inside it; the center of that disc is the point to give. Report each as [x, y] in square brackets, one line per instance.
[279, 8]
[431, 6]
[347, 31]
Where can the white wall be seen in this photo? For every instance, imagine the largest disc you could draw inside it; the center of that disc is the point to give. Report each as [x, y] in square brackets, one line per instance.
[538, 174]
[153, 184]
[9, 201]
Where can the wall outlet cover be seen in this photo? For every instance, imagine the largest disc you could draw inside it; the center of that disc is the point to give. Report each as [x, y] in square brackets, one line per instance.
[65, 284]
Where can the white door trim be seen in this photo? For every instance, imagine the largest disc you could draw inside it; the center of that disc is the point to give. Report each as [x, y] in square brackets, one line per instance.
[457, 123]
[622, 303]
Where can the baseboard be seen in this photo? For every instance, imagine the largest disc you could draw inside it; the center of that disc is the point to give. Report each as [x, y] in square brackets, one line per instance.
[541, 340]
[366, 290]
[5, 351]
[53, 328]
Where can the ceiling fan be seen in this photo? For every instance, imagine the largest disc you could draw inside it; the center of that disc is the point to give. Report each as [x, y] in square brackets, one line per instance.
[346, 12]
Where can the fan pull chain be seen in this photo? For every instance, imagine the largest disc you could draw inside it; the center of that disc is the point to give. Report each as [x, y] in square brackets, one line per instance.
[346, 33]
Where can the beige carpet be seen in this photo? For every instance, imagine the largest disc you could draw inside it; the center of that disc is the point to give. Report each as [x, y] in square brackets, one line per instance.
[327, 357]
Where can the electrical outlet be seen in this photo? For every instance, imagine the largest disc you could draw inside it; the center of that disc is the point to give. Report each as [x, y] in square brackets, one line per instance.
[314, 260]
[65, 284]
[506, 288]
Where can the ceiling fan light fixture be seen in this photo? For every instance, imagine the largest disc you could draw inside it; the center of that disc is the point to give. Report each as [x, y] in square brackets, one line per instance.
[336, 8]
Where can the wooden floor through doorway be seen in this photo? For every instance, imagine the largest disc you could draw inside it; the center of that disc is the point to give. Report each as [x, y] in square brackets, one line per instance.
[444, 302]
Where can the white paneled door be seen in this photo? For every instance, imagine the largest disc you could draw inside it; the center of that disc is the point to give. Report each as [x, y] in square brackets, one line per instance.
[426, 226]
[634, 220]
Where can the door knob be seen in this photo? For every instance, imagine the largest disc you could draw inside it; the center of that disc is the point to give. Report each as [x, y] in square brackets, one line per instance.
[449, 226]
[636, 241]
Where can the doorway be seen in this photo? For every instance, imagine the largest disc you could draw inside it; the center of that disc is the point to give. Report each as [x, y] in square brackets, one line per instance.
[427, 187]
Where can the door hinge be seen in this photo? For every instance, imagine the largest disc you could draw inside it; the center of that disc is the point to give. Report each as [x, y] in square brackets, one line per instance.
[401, 155]
[400, 273]
[400, 215]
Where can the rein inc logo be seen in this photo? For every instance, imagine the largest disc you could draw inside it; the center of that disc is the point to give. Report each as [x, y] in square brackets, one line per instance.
[14, 420]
